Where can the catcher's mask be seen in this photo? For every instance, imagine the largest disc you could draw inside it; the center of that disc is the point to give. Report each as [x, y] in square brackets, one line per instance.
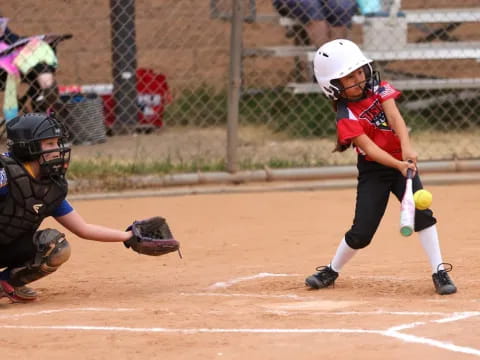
[24, 140]
[338, 58]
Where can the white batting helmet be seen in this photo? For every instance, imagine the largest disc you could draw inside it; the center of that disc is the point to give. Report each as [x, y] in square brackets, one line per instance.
[334, 60]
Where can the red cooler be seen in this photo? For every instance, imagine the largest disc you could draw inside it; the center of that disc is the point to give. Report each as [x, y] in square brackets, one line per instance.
[153, 94]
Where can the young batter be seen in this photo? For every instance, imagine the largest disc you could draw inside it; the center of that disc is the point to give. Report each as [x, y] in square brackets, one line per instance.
[33, 187]
[368, 119]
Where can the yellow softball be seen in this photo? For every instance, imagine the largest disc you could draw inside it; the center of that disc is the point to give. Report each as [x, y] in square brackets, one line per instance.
[423, 199]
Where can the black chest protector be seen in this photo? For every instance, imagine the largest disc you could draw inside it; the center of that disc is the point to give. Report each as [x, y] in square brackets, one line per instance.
[28, 201]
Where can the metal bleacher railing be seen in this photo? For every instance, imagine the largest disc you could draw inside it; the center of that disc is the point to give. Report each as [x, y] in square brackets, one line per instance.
[393, 46]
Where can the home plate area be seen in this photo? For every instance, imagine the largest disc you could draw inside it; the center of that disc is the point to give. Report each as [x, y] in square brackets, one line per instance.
[349, 309]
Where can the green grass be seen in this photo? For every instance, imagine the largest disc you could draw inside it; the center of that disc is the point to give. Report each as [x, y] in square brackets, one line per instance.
[449, 113]
[307, 115]
[201, 107]
[278, 163]
[98, 169]
[104, 169]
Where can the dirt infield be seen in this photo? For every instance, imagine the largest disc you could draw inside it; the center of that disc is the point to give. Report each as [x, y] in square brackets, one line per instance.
[238, 293]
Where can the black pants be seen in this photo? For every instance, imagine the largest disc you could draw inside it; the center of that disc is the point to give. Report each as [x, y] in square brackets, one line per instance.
[18, 252]
[375, 182]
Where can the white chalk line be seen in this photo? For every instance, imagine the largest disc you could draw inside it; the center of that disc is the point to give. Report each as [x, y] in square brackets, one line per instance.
[226, 284]
[452, 317]
[187, 330]
[393, 332]
[349, 313]
[458, 316]
[53, 311]
[432, 342]
[262, 296]
[407, 326]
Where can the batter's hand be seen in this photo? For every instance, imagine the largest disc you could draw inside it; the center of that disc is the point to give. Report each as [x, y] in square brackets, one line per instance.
[405, 165]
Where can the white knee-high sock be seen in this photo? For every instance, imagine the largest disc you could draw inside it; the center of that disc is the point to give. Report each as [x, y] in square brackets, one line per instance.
[342, 256]
[431, 245]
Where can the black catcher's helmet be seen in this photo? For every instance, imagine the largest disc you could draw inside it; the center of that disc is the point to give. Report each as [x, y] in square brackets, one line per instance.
[24, 136]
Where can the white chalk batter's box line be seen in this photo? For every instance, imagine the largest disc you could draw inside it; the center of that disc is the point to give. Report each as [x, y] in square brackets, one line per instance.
[394, 332]
[231, 282]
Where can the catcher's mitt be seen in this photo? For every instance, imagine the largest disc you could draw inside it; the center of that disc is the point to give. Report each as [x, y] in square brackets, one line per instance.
[152, 237]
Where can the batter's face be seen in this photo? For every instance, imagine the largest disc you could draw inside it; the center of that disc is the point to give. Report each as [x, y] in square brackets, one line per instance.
[353, 84]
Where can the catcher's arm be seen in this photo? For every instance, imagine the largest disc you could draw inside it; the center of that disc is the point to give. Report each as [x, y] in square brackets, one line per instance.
[152, 237]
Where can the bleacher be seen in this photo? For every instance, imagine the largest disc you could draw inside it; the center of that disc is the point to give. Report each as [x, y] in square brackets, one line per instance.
[397, 49]
[441, 50]
[412, 16]
[413, 51]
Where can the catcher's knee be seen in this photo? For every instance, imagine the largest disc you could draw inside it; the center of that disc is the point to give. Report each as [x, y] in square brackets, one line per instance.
[357, 241]
[52, 251]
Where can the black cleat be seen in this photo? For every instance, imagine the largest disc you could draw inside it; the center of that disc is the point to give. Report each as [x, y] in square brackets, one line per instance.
[443, 284]
[323, 278]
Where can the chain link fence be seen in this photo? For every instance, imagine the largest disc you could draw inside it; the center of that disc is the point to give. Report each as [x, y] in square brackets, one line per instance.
[428, 49]
[153, 86]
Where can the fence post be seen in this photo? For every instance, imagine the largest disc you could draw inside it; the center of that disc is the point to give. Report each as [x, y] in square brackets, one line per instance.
[124, 65]
[234, 86]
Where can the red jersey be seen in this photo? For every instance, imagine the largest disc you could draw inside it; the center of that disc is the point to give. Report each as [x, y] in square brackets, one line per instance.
[367, 117]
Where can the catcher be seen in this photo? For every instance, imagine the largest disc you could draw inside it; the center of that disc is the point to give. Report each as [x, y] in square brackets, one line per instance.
[32, 187]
